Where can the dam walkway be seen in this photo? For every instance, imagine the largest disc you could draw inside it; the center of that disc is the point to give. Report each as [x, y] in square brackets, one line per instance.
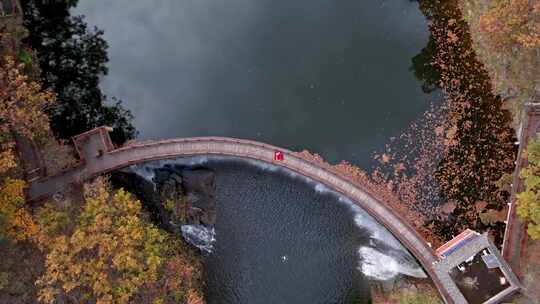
[98, 156]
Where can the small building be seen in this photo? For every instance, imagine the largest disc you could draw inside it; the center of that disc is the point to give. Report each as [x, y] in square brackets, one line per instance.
[93, 144]
[476, 268]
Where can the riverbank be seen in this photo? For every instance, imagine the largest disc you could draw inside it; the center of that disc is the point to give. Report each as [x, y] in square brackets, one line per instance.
[466, 144]
[452, 165]
[506, 38]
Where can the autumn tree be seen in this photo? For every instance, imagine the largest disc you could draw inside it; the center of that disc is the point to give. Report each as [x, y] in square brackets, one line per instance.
[112, 254]
[529, 200]
[15, 222]
[506, 38]
[513, 22]
[22, 103]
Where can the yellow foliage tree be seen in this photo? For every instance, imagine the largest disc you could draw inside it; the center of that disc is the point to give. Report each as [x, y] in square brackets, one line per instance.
[16, 224]
[111, 253]
[7, 161]
[107, 251]
[22, 101]
[529, 200]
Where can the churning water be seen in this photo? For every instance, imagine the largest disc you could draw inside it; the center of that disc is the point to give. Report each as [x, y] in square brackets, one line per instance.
[281, 238]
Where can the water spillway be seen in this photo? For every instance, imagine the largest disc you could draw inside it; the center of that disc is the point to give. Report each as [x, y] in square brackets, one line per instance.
[276, 228]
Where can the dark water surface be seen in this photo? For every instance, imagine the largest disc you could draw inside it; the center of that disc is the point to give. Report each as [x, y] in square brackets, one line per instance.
[282, 238]
[325, 75]
[329, 76]
[288, 244]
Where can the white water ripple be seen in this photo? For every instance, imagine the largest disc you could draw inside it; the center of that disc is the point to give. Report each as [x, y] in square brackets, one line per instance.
[200, 236]
[374, 262]
[380, 266]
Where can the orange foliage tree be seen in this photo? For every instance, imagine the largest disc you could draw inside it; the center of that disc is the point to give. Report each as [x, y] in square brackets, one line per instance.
[513, 22]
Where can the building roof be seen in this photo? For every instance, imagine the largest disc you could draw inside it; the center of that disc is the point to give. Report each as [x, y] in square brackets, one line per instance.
[476, 269]
[457, 242]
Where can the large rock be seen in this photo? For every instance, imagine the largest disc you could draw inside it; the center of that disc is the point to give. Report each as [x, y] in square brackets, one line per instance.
[197, 216]
[200, 187]
[140, 187]
[209, 217]
[169, 185]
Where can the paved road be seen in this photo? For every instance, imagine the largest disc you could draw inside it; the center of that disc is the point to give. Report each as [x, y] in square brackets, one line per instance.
[97, 163]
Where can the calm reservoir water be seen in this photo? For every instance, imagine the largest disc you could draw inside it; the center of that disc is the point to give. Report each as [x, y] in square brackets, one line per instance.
[329, 76]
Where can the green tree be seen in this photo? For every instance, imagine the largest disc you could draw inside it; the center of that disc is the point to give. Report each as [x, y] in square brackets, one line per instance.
[528, 207]
[72, 58]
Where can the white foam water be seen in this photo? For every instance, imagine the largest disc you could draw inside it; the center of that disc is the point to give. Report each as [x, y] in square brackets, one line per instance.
[200, 236]
[373, 262]
[146, 170]
[380, 266]
[366, 221]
